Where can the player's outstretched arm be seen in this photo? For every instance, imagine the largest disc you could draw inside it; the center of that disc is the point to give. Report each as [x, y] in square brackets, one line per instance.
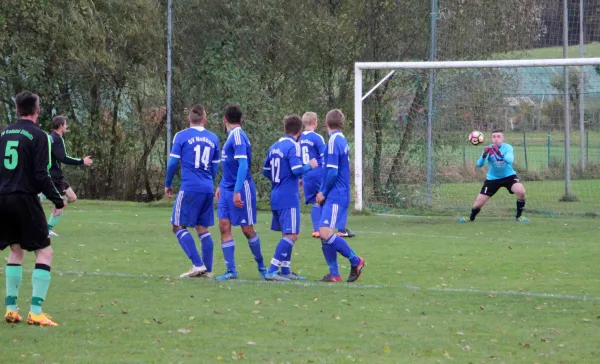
[60, 152]
[483, 158]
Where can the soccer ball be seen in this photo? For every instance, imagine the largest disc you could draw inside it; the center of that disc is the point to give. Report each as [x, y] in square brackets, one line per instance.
[476, 137]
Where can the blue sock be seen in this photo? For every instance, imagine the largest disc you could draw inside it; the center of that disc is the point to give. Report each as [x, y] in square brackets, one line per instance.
[282, 255]
[315, 216]
[330, 258]
[287, 261]
[229, 255]
[254, 244]
[189, 246]
[342, 247]
[208, 248]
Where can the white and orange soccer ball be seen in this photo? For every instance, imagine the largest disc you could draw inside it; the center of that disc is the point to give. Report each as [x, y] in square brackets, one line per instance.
[476, 137]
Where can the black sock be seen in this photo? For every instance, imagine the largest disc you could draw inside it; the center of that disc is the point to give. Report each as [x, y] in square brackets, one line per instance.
[474, 212]
[520, 207]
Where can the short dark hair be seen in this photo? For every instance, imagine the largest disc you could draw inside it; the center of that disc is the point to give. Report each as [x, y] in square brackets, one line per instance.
[197, 114]
[27, 103]
[292, 124]
[58, 121]
[497, 130]
[233, 114]
[335, 119]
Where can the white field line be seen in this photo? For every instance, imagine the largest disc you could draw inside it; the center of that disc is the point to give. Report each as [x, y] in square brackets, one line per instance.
[356, 286]
[508, 293]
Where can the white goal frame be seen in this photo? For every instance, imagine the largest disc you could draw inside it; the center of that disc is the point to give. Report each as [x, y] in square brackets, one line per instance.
[359, 98]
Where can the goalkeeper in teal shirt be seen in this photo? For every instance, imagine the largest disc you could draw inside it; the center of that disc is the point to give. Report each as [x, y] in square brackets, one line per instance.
[500, 158]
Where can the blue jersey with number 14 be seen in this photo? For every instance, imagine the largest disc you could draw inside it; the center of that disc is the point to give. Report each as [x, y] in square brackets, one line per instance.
[198, 150]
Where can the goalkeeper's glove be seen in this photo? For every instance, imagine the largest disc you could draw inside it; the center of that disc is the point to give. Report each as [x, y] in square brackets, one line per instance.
[496, 150]
[486, 151]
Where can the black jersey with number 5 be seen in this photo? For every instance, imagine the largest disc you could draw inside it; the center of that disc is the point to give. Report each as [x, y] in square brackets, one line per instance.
[25, 160]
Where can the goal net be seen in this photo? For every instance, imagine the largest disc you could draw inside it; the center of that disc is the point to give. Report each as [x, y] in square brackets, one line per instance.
[411, 140]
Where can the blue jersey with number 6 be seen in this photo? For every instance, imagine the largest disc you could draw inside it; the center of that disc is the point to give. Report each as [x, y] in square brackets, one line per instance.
[199, 152]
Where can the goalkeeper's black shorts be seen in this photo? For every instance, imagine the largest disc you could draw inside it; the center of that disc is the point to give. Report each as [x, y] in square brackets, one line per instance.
[491, 186]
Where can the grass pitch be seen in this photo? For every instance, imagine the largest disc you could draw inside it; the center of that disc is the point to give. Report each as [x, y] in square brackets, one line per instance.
[433, 291]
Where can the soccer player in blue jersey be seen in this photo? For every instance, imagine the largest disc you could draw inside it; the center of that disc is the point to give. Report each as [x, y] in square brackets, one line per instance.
[334, 195]
[283, 167]
[237, 194]
[198, 151]
[500, 158]
[313, 146]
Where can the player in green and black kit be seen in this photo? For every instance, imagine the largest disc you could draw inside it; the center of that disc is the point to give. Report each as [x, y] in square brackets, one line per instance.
[24, 163]
[59, 155]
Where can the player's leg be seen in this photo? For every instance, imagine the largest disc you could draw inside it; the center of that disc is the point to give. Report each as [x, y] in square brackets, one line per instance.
[335, 216]
[329, 252]
[185, 214]
[288, 222]
[54, 220]
[488, 190]
[246, 218]
[35, 238]
[63, 188]
[519, 190]
[71, 196]
[10, 235]
[205, 219]
[14, 276]
[311, 188]
[224, 207]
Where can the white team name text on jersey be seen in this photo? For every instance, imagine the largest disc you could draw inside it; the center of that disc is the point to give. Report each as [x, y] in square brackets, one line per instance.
[276, 151]
[201, 139]
[306, 141]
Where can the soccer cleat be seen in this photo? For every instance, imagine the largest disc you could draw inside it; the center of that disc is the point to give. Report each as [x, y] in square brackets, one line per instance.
[293, 277]
[275, 277]
[346, 233]
[522, 219]
[52, 234]
[316, 235]
[227, 276]
[355, 270]
[205, 275]
[40, 320]
[330, 278]
[463, 219]
[263, 272]
[12, 317]
[194, 272]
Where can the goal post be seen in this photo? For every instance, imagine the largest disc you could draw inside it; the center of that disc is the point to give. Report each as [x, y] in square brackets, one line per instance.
[544, 73]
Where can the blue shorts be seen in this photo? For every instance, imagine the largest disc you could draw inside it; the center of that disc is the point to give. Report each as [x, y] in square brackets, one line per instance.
[286, 220]
[311, 188]
[244, 216]
[192, 209]
[333, 215]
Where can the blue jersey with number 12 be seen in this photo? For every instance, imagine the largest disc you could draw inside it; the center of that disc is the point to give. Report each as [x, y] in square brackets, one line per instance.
[198, 150]
[282, 159]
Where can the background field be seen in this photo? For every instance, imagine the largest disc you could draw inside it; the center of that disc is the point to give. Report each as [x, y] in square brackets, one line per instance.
[433, 291]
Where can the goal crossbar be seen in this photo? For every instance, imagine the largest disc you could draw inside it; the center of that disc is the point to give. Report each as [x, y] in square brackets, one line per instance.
[479, 64]
[358, 93]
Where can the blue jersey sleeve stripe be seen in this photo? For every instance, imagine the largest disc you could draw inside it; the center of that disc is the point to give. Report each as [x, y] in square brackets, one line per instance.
[240, 156]
[174, 155]
[296, 167]
[331, 144]
[332, 166]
